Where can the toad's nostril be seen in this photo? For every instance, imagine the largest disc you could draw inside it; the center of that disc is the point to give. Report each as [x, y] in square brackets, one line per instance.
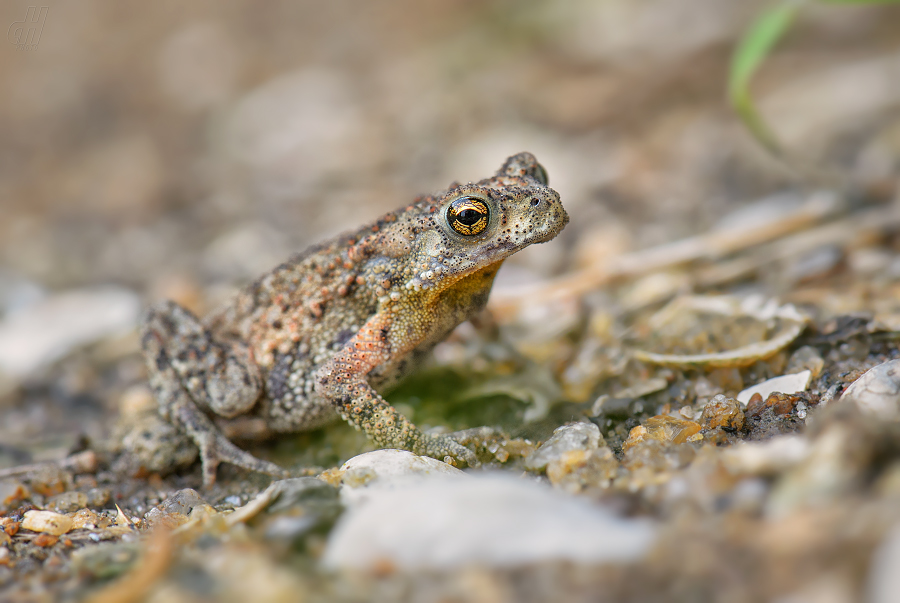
[535, 202]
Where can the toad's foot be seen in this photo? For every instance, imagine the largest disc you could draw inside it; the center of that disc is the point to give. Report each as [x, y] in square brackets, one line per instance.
[215, 448]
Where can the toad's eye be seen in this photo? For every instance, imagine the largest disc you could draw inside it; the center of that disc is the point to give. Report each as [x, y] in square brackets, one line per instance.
[468, 216]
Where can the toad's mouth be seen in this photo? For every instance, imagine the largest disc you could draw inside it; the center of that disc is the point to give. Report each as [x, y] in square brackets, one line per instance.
[497, 251]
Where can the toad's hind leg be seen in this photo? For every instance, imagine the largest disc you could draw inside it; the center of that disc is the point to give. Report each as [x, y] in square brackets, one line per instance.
[188, 370]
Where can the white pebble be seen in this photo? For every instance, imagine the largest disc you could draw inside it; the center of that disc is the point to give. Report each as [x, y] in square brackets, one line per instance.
[785, 384]
[386, 469]
[494, 520]
[47, 522]
[877, 391]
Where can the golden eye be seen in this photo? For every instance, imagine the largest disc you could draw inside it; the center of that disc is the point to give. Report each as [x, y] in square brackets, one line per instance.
[468, 216]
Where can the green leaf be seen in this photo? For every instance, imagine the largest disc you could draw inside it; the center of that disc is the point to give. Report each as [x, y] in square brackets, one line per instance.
[751, 51]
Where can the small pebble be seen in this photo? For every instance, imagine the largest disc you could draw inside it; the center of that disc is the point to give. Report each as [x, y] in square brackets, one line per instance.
[576, 436]
[722, 412]
[46, 540]
[577, 470]
[780, 404]
[385, 468]
[11, 492]
[184, 501]
[806, 358]
[234, 500]
[662, 428]
[85, 518]
[302, 492]
[877, 391]
[9, 525]
[68, 502]
[98, 497]
[643, 388]
[50, 480]
[47, 522]
[156, 517]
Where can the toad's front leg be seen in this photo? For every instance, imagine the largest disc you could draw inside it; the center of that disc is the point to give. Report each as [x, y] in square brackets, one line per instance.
[190, 372]
[342, 381]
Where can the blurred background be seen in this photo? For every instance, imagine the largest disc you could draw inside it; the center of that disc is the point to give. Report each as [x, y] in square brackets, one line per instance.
[165, 149]
[182, 149]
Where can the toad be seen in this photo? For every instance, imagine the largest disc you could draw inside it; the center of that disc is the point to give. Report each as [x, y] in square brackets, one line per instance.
[320, 335]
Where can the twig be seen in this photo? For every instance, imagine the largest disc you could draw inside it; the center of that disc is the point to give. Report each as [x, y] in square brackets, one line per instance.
[82, 462]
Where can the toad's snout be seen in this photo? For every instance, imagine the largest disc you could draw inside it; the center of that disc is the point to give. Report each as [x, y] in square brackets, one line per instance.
[546, 216]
